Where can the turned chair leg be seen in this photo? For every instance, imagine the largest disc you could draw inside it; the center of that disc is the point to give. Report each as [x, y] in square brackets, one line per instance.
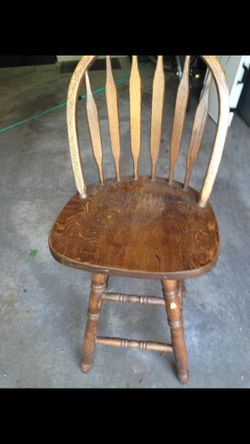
[171, 291]
[99, 282]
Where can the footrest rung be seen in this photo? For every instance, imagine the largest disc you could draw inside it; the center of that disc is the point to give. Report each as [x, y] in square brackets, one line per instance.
[117, 297]
[131, 343]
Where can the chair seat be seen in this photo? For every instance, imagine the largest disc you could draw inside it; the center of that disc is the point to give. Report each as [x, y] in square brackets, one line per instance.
[140, 228]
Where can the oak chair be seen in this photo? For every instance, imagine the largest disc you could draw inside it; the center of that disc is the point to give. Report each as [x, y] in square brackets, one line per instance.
[139, 226]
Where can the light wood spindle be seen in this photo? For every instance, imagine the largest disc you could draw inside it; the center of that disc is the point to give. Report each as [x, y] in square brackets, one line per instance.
[179, 119]
[135, 113]
[198, 130]
[113, 116]
[94, 127]
[157, 113]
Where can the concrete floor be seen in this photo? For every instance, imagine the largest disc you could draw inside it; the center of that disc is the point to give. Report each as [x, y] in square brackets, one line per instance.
[43, 304]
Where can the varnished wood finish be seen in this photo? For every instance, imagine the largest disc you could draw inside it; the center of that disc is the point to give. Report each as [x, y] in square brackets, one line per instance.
[133, 299]
[222, 128]
[198, 130]
[95, 304]
[157, 108]
[132, 343]
[139, 228]
[157, 113]
[179, 119]
[113, 117]
[135, 113]
[174, 313]
[72, 121]
[94, 128]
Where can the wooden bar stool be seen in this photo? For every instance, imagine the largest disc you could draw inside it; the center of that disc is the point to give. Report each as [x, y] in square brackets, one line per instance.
[140, 226]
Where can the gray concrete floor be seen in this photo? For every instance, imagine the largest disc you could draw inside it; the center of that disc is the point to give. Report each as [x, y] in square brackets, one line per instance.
[43, 304]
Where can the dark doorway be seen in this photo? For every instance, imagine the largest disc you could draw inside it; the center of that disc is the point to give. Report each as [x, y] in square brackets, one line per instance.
[26, 60]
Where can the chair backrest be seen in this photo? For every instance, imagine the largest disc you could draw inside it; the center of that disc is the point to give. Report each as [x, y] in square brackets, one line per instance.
[158, 94]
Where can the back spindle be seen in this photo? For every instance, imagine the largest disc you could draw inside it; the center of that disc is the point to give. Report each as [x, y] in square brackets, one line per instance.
[198, 130]
[94, 127]
[179, 119]
[135, 113]
[113, 117]
[157, 113]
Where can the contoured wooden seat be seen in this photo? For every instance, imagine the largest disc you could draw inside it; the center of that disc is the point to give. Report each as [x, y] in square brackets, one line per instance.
[141, 226]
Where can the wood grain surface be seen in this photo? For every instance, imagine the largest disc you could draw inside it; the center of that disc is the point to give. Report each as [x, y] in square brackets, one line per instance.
[138, 228]
[222, 128]
[94, 128]
[72, 121]
[157, 113]
[175, 320]
[99, 283]
[179, 119]
[113, 116]
[142, 227]
[198, 130]
[135, 113]
[156, 121]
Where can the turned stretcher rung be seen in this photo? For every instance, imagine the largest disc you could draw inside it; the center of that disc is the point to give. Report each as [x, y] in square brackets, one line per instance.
[131, 343]
[115, 297]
